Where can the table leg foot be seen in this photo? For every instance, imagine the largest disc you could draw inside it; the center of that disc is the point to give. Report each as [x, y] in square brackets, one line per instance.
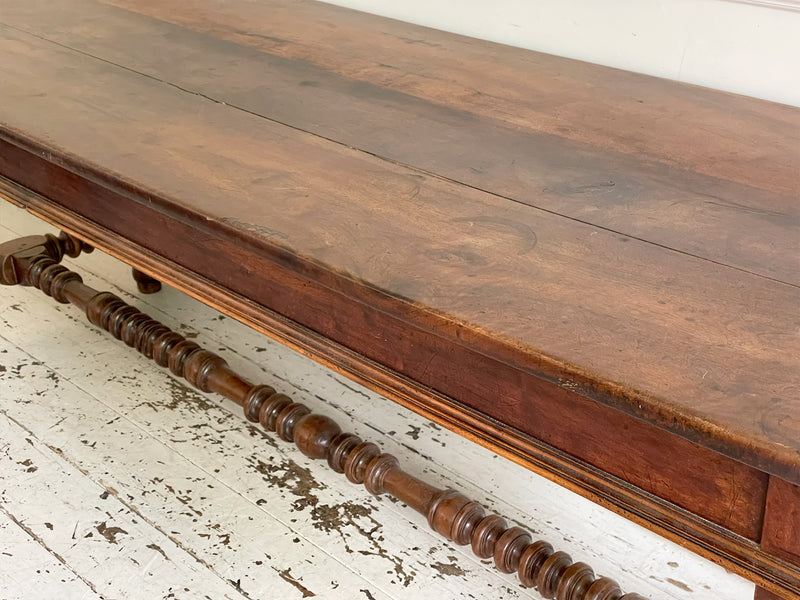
[145, 283]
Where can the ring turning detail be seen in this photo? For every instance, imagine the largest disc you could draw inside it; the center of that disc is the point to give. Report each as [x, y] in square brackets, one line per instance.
[34, 261]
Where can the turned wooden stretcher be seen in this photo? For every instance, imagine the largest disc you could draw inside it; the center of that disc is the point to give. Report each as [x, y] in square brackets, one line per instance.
[593, 272]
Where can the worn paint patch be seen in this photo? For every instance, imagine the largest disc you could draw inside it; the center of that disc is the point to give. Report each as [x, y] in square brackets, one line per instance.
[158, 549]
[288, 475]
[110, 533]
[286, 575]
[450, 569]
[345, 517]
[679, 585]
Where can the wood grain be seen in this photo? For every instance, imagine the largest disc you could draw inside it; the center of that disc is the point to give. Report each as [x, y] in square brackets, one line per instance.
[150, 439]
[713, 541]
[782, 520]
[672, 164]
[36, 262]
[714, 486]
[763, 594]
[704, 350]
[606, 262]
[44, 572]
[102, 526]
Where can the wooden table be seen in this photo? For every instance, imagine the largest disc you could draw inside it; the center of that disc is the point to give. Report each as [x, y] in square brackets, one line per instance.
[593, 272]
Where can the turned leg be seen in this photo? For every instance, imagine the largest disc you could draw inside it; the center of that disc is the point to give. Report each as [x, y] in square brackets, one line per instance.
[145, 283]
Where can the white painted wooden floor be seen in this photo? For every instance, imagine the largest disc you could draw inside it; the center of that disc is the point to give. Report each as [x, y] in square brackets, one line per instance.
[117, 481]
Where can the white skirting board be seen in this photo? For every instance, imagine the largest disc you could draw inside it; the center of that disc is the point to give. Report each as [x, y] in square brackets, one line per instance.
[118, 481]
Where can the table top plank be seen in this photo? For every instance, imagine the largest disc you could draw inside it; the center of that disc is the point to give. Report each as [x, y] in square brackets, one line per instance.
[708, 350]
[708, 173]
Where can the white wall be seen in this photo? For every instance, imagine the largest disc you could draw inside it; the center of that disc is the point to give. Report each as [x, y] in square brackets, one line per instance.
[751, 48]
